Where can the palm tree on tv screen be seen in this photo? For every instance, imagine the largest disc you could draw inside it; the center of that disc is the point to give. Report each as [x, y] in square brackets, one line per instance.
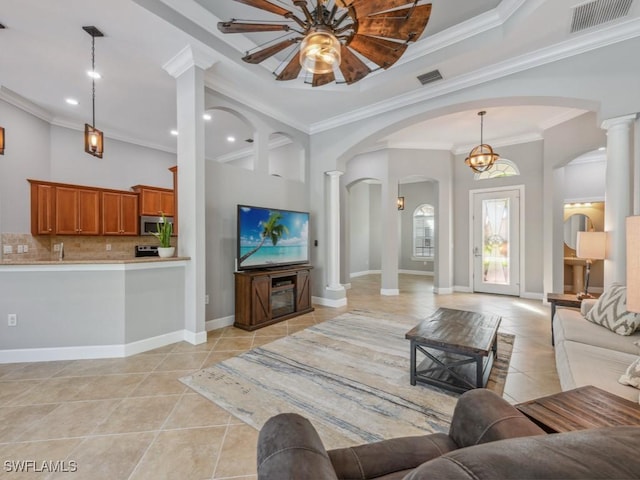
[270, 229]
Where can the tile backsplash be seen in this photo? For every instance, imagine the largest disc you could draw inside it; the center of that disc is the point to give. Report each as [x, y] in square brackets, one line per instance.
[28, 248]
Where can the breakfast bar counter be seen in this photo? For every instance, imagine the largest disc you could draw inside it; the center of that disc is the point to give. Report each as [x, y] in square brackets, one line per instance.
[72, 309]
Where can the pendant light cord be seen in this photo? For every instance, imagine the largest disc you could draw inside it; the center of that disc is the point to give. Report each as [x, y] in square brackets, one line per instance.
[93, 79]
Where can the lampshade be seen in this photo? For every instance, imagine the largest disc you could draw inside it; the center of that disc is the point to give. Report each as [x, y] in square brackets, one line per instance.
[1, 140]
[320, 52]
[591, 245]
[633, 264]
[93, 141]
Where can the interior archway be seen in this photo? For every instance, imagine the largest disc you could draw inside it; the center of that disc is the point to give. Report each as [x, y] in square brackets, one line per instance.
[229, 138]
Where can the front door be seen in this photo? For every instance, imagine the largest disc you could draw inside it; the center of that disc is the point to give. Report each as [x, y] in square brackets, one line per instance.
[496, 242]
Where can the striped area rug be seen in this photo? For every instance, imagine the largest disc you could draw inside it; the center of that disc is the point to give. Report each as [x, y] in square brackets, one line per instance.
[349, 376]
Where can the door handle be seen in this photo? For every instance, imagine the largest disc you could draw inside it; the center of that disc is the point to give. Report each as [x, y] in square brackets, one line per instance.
[476, 252]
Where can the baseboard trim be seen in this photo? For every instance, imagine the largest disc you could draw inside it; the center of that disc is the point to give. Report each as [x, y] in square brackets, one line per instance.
[532, 295]
[366, 272]
[221, 322]
[95, 351]
[443, 291]
[195, 338]
[389, 291]
[417, 272]
[327, 302]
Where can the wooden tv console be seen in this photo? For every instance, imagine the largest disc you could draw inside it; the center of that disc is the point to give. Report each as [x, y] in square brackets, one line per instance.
[268, 296]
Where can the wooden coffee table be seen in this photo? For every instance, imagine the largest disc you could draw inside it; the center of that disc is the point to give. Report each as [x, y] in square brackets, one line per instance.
[459, 349]
[580, 409]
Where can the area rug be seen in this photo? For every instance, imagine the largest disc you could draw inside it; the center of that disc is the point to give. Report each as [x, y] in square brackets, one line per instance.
[349, 376]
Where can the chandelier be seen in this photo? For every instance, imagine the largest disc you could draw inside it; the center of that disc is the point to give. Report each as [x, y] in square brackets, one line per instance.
[482, 157]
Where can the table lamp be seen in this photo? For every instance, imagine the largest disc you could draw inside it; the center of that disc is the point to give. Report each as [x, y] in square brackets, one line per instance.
[633, 264]
[590, 246]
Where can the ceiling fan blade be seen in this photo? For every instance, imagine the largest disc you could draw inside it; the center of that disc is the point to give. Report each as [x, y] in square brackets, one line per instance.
[238, 27]
[268, 6]
[367, 7]
[320, 79]
[292, 70]
[396, 24]
[353, 69]
[265, 53]
[382, 52]
[344, 3]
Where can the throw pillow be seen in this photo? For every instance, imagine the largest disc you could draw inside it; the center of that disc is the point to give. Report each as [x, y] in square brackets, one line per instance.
[632, 375]
[610, 311]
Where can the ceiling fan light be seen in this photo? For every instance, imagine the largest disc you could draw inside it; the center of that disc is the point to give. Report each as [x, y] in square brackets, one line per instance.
[320, 52]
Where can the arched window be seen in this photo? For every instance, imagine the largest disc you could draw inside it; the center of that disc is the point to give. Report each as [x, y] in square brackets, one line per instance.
[424, 232]
[502, 168]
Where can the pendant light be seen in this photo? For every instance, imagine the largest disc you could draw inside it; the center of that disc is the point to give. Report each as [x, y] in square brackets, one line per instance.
[1, 140]
[400, 200]
[93, 138]
[482, 157]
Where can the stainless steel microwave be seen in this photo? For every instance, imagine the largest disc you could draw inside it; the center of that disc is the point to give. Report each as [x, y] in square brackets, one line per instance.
[149, 225]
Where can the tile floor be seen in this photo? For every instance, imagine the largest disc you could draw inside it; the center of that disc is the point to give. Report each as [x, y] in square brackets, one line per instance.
[130, 418]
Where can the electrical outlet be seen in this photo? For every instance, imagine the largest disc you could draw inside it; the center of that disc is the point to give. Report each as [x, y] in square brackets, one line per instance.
[108, 247]
[7, 249]
[20, 249]
[25, 248]
[206, 299]
[56, 247]
[12, 320]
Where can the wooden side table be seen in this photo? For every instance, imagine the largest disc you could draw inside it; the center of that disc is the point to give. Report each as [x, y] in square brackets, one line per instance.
[580, 409]
[562, 300]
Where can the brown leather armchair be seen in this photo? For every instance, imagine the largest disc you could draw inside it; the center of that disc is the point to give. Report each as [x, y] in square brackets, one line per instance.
[488, 439]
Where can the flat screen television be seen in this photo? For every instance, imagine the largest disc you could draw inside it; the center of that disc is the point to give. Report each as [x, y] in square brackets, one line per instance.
[269, 237]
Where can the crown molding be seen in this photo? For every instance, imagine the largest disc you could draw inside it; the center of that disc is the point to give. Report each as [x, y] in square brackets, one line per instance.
[22, 103]
[400, 145]
[281, 141]
[190, 56]
[560, 118]
[585, 43]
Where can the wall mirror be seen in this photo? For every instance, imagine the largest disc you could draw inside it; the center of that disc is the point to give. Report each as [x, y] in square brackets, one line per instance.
[578, 222]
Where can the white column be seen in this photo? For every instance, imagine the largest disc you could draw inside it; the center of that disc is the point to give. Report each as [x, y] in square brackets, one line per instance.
[618, 201]
[188, 69]
[333, 232]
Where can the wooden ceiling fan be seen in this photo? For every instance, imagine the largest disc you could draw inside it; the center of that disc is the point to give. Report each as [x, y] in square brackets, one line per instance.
[347, 38]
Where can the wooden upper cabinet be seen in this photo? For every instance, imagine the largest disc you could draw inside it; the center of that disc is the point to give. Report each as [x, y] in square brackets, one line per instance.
[154, 200]
[42, 209]
[119, 213]
[77, 211]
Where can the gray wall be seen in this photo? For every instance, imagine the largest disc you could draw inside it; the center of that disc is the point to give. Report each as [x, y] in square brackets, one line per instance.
[528, 158]
[359, 227]
[415, 194]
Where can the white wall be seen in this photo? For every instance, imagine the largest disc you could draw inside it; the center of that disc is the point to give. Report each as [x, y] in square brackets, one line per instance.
[359, 227]
[584, 182]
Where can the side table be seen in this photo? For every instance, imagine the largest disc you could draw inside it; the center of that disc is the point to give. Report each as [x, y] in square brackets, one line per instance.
[580, 409]
[562, 300]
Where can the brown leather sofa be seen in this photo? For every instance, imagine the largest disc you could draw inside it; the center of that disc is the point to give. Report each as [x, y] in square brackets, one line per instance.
[488, 439]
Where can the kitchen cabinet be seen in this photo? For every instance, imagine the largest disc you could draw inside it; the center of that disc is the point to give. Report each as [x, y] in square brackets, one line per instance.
[155, 200]
[77, 211]
[119, 213]
[42, 209]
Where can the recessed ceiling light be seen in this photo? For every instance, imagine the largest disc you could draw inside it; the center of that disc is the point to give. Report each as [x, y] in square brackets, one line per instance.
[231, 139]
[206, 116]
[72, 101]
[174, 133]
[602, 149]
[94, 74]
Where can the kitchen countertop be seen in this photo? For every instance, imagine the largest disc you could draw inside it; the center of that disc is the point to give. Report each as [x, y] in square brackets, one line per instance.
[101, 261]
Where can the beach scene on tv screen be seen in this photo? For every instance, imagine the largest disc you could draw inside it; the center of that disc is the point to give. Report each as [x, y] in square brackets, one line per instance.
[272, 237]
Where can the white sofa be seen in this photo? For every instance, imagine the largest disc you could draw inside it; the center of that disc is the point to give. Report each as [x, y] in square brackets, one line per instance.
[588, 354]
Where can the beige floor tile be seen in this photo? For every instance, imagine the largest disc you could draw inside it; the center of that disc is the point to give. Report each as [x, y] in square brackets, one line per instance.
[14, 389]
[233, 343]
[161, 383]
[186, 347]
[521, 387]
[14, 420]
[238, 455]
[259, 341]
[36, 370]
[193, 410]
[53, 390]
[181, 454]
[533, 361]
[111, 457]
[235, 332]
[138, 414]
[297, 328]
[50, 452]
[217, 357]
[110, 386]
[275, 329]
[74, 419]
[182, 361]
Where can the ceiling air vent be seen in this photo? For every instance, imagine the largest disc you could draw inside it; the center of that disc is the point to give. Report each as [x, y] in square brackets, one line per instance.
[595, 13]
[430, 77]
